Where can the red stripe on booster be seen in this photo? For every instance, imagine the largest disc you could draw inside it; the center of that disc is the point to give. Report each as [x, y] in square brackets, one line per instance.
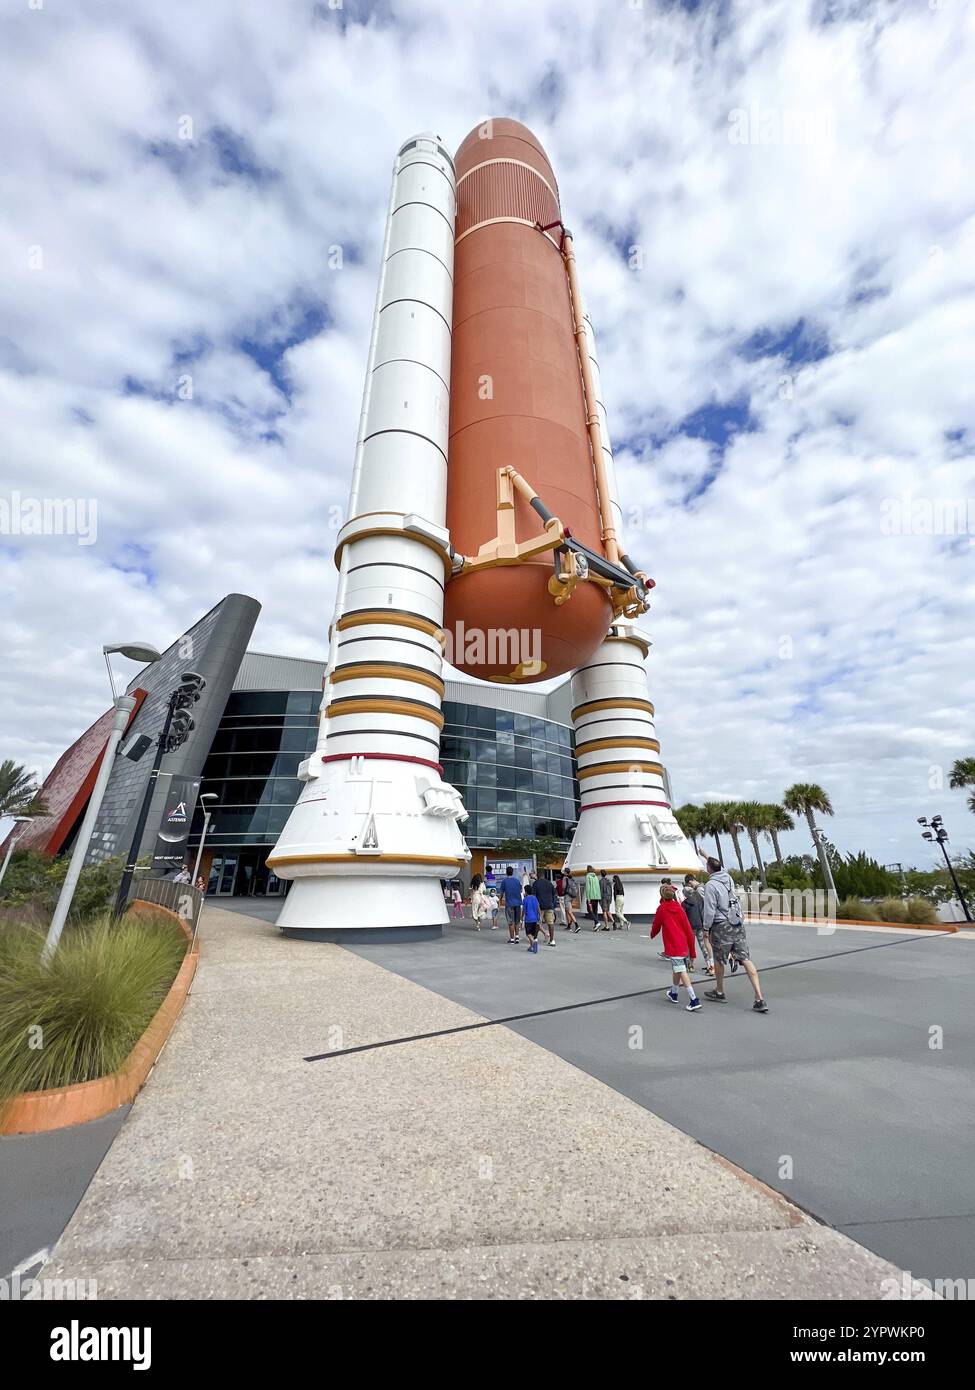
[594, 804]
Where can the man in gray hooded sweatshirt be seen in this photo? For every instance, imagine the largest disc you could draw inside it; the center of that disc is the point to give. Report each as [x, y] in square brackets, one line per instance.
[722, 916]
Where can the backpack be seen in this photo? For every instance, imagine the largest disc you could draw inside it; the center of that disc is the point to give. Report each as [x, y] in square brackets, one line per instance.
[735, 914]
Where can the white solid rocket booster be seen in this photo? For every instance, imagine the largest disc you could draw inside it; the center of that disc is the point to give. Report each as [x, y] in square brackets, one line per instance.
[376, 827]
[626, 822]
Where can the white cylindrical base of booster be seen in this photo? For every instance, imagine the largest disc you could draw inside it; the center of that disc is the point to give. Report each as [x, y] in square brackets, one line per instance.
[364, 908]
[626, 823]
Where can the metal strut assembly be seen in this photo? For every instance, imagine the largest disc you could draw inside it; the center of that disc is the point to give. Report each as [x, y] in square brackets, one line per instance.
[572, 561]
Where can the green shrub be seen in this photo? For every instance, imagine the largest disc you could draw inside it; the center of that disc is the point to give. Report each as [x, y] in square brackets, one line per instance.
[893, 910]
[856, 910]
[78, 1018]
[919, 910]
[786, 875]
[36, 879]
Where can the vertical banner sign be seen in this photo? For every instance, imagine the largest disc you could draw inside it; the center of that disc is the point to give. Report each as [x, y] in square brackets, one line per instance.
[169, 854]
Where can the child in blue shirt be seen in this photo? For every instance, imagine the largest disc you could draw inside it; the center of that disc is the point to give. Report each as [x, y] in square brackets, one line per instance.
[530, 908]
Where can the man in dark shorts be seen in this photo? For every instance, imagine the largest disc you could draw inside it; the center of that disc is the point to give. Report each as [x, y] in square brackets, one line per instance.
[723, 917]
[544, 890]
[511, 897]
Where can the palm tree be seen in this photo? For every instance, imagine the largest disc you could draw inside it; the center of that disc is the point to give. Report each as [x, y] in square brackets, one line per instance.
[963, 775]
[803, 798]
[714, 821]
[689, 820]
[18, 791]
[735, 825]
[779, 821]
[754, 816]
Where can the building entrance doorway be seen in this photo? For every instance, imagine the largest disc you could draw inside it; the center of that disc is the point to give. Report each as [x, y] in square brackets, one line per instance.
[244, 874]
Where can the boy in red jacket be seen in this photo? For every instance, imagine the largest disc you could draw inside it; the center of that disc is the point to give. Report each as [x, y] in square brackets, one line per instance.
[671, 919]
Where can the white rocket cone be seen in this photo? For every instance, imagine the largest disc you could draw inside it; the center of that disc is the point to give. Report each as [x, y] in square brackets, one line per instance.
[376, 827]
[626, 824]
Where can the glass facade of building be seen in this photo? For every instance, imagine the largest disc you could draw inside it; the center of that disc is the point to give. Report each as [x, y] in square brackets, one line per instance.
[515, 772]
[252, 768]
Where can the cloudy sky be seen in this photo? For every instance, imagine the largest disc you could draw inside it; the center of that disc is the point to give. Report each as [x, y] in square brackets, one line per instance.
[773, 212]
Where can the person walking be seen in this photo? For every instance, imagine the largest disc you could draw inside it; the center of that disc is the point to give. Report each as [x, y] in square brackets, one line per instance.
[511, 896]
[570, 896]
[606, 899]
[560, 918]
[531, 911]
[693, 905]
[671, 921]
[618, 896]
[480, 905]
[457, 909]
[594, 896]
[722, 916]
[669, 883]
[544, 891]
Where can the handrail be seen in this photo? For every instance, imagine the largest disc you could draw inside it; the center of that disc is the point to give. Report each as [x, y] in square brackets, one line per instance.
[181, 898]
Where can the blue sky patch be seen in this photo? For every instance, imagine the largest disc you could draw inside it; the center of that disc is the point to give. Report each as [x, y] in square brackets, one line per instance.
[799, 344]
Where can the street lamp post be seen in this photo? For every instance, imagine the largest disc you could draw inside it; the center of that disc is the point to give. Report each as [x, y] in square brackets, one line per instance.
[14, 837]
[175, 731]
[124, 705]
[206, 797]
[937, 833]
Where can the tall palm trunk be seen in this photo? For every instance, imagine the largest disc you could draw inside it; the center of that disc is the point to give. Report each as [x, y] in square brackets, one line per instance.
[734, 838]
[753, 836]
[823, 861]
[720, 855]
[775, 841]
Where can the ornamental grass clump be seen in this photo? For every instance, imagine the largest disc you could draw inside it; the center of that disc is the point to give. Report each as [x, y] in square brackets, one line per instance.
[856, 910]
[79, 1017]
[920, 911]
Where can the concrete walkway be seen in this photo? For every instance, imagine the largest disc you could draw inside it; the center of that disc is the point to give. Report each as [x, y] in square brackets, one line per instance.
[471, 1165]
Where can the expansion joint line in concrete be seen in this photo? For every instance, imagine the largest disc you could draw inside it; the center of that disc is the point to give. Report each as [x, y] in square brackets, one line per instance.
[606, 999]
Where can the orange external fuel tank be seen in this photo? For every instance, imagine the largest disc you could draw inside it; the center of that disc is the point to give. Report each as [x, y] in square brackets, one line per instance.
[516, 398]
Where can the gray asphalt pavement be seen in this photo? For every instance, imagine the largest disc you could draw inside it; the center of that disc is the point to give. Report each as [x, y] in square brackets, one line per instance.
[43, 1177]
[841, 1097]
